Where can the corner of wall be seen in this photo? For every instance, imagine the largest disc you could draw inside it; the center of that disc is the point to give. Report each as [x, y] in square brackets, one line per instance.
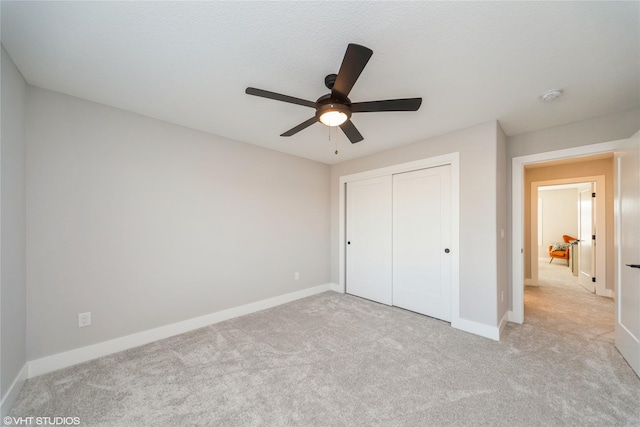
[502, 214]
[13, 359]
[14, 390]
[476, 328]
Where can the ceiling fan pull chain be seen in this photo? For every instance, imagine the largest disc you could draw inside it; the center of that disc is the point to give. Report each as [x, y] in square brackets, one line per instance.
[336, 138]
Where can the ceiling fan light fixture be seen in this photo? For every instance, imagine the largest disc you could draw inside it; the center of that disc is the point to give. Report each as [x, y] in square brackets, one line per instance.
[333, 114]
[333, 118]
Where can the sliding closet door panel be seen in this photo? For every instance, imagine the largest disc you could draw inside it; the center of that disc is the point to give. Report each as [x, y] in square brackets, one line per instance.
[369, 249]
[421, 238]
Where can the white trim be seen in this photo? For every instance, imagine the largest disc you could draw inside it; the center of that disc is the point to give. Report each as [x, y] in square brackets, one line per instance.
[11, 396]
[84, 354]
[491, 332]
[452, 159]
[509, 315]
[503, 324]
[430, 162]
[517, 203]
[336, 288]
[455, 239]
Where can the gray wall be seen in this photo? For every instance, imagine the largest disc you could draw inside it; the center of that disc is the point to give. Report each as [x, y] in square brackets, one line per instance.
[145, 223]
[576, 134]
[478, 204]
[12, 225]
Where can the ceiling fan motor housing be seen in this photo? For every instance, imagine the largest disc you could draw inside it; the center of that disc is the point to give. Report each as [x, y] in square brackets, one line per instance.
[330, 80]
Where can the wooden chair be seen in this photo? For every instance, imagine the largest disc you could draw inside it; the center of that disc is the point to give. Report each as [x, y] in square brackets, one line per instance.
[562, 254]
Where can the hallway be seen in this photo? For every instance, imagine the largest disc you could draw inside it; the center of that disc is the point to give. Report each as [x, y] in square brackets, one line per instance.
[557, 274]
[560, 302]
[573, 331]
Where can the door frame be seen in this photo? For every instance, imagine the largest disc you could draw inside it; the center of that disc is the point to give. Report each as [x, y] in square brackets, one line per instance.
[516, 314]
[601, 227]
[452, 159]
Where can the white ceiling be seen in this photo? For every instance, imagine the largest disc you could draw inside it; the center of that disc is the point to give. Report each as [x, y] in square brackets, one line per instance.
[190, 62]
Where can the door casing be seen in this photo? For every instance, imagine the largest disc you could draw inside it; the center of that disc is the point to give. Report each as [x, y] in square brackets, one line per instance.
[516, 314]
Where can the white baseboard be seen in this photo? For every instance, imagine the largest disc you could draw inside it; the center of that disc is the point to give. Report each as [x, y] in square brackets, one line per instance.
[491, 332]
[610, 293]
[336, 288]
[12, 394]
[502, 324]
[511, 317]
[84, 354]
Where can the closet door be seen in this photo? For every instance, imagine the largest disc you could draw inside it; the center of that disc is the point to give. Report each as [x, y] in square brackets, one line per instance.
[369, 239]
[421, 239]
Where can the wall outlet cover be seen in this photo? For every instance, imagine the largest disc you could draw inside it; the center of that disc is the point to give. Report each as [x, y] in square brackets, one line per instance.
[84, 319]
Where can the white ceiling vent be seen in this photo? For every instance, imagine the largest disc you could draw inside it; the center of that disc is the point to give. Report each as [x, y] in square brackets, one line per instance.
[550, 95]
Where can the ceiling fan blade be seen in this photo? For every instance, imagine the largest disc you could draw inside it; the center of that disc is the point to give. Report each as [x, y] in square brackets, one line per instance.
[352, 133]
[279, 97]
[301, 126]
[355, 59]
[407, 104]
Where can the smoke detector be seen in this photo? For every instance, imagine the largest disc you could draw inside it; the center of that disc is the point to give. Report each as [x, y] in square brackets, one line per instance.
[550, 95]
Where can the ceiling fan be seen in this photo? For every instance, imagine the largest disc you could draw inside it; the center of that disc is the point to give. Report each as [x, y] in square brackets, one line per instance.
[335, 108]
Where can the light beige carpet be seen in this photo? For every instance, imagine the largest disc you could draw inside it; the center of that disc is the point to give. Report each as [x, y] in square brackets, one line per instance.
[338, 360]
[557, 274]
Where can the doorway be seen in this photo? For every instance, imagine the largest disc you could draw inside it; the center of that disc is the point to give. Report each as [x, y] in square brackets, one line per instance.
[557, 238]
[624, 220]
[521, 245]
[576, 208]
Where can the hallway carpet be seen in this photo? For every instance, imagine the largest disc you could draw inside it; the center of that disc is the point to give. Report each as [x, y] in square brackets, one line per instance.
[338, 360]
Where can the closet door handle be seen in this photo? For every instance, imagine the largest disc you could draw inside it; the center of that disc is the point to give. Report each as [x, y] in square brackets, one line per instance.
[633, 265]
[446, 251]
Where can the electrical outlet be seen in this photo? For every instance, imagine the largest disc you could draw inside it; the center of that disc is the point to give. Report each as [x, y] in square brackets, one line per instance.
[84, 319]
[296, 275]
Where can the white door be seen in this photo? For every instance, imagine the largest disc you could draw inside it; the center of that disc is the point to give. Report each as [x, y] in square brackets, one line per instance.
[369, 239]
[586, 251]
[628, 253]
[421, 236]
